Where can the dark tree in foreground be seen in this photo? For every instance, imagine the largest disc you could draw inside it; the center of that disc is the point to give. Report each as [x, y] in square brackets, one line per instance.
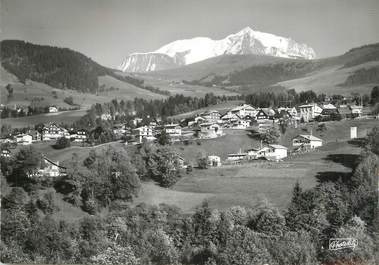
[375, 95]
[164, 138]
[62, 142]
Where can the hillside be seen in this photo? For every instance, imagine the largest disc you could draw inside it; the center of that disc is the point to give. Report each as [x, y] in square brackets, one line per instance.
[60, 68]
[220, 65]
[57, 67]
[356, 70]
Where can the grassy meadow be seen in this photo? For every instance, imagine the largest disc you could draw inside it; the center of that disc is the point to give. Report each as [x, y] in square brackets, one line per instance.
[248, 184]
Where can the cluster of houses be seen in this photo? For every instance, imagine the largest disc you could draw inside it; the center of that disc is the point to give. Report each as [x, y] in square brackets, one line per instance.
[271, 152]
[211, 123]
[50, 132]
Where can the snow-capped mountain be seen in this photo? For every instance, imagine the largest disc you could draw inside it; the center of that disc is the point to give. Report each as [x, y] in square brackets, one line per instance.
[246, 41]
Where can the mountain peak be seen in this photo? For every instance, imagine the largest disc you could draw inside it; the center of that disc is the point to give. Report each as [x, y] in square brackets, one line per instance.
[188, 51]
[245, 30]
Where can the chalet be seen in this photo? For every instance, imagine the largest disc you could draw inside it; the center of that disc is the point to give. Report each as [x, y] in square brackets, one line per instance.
[173, 130]
[229, 117]
[309, 111]
[213, 161]
[79, 136]
[328, 106]
[255, 153]
[244, 110]
[344, 111]
[356, 111]
[36, 135]
[5, 153]
[262, 116]
[239, 124]
[329, 112]
[48, 168]
[309, 141]
[53, 132]
[143, 133]
[211, 115]
[264, 126]
[276, 152]
[237, 157]
[192, 122]
[199, 119]
[181, 163]
[24, 139]
[53, 109]
[210, 130]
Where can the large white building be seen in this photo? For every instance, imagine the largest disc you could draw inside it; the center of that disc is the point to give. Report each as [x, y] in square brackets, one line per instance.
[53, 132]
[213, 161]
[276, 152]
[244, 110]
[211, 115]
[173, 130]
[309, 112]
[24, 139]
[143, 133]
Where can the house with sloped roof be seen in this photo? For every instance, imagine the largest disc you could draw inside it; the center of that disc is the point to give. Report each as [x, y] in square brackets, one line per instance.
[48, 168]
[24, 139]
[210, 130]
[53, 132]
[309, 112]
[276, 152]
[356, 110]
[143, 133]
[244, 110]
[306, 140]
[213, 161]
[211, 115]
[262, 115]
[173, 130]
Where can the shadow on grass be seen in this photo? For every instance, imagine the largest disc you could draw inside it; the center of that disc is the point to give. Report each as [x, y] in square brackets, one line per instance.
[347, 160]
[333, 176]
[358, 142]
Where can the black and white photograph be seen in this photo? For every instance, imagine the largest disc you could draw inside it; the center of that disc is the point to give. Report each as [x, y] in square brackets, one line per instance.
[188, 132]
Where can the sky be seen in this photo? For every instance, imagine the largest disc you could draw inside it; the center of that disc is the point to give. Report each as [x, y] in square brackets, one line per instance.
[109, 30]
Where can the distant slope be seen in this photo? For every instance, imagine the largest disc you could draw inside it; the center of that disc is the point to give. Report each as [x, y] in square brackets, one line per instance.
[125, 90]
[6, 77]
[220, 65]
[57, 67]
[356, 70]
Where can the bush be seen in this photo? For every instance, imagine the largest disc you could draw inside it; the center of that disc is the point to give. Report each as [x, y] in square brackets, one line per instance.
[321, 127]
[90, 206]
[202, 163]
[62, 142]
[46, 203]
[69, 100]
